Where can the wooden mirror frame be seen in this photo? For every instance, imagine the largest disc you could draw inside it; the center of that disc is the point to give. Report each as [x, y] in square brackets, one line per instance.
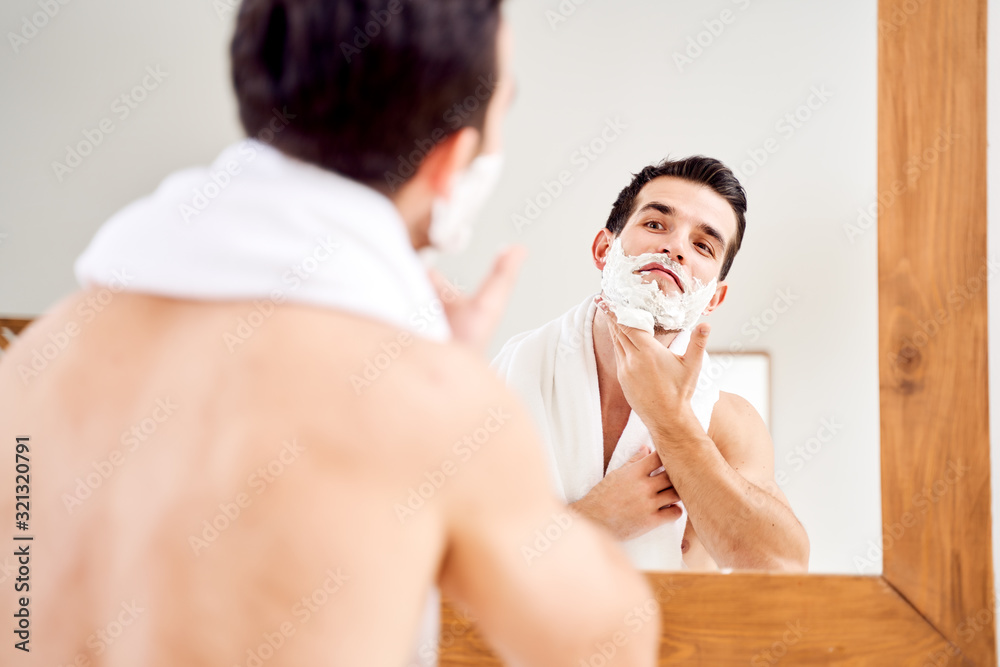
[934, 603]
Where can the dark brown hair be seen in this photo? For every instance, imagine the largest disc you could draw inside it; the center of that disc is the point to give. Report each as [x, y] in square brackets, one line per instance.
[360, 84]
[697, 169]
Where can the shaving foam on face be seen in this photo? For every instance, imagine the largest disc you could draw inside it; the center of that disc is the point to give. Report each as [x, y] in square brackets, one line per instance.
[643, 305]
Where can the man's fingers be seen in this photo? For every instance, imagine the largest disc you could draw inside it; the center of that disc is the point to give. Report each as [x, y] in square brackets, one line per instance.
[635, 336]
[667, 497]
[671, 513]
[623, 332]
[652, 462]
[495, 290]
[619, 333]
[442, 286]
[642, 453]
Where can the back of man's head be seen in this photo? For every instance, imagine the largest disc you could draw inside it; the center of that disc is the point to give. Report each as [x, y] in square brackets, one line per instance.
[369, 82]
[697, 169]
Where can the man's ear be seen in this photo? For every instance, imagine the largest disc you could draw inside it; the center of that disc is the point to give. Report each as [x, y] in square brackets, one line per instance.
[602, 243]
[449, 157]
[717, 298]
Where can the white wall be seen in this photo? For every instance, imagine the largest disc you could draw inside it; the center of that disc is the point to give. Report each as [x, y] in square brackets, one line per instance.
[64, 82]
[608, 60]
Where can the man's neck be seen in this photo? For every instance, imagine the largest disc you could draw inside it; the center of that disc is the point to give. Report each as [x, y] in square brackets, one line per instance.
[612, 397]
[413, 203]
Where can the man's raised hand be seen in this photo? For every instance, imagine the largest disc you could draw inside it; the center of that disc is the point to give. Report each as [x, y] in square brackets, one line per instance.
[474, 318]
[657, 383]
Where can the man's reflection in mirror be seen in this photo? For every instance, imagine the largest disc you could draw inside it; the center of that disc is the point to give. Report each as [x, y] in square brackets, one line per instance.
[638, 435]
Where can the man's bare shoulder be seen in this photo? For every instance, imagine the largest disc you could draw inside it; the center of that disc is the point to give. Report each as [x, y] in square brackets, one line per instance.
[734, 407]
[386, 378]
[739, 431]
[369, 357]
[424, 413]
[358, 384]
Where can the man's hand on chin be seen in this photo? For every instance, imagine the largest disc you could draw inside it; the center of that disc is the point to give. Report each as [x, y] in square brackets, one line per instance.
[474, 318]
[657, 383]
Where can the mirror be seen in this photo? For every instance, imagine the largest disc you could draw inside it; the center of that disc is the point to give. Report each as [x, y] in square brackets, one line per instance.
[605, 89]
[934, 603]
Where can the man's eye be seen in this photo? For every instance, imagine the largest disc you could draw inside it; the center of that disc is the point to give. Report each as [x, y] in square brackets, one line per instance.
[654, 222]
[706, 247]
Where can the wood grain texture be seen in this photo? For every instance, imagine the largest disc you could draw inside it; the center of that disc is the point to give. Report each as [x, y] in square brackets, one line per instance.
[934, 603]
[14, 326]
[762, 619]
[932, 314]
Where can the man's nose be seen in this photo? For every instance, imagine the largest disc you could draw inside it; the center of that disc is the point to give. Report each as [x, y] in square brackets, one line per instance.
[673, 242]
[672, 249]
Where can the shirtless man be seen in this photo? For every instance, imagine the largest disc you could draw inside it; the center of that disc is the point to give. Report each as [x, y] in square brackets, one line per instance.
[245, 505]
[692, 211]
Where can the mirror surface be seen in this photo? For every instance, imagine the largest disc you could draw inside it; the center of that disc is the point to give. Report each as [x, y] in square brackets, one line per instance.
[785, 94]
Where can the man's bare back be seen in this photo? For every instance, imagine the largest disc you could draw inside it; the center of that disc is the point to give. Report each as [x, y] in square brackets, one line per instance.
[193, 505]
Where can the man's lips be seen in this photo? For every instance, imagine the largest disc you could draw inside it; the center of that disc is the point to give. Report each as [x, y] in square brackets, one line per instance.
[659, 267]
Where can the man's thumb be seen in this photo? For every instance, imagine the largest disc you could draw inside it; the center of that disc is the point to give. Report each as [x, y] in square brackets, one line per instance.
[642, 453]
[699, 341]
[701, 332]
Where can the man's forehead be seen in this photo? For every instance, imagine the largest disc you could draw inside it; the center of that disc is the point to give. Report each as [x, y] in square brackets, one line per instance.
[689, 198]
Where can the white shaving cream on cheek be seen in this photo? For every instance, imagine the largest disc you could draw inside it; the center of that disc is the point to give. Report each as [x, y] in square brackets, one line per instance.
[641, 304]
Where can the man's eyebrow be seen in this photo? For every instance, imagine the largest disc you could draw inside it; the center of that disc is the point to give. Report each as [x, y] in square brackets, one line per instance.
[703, 227]
[657, 206]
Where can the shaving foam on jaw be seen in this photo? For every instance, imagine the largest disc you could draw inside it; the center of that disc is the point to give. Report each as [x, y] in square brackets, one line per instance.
[641, 304]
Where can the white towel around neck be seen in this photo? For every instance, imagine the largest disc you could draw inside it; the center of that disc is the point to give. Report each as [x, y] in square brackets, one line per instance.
[553, 368]
[259, 225]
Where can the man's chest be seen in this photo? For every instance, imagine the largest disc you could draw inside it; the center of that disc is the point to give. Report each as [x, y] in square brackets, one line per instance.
[613, 421]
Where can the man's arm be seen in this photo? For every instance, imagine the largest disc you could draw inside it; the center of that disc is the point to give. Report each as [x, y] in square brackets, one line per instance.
[629, 503]
[545, 585]
[741, 524]
[726, 480]
[696, 556]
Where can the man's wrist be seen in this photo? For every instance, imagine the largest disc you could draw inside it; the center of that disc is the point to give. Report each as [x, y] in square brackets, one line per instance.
[580, 507]
[680, 436]
[678, 429]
